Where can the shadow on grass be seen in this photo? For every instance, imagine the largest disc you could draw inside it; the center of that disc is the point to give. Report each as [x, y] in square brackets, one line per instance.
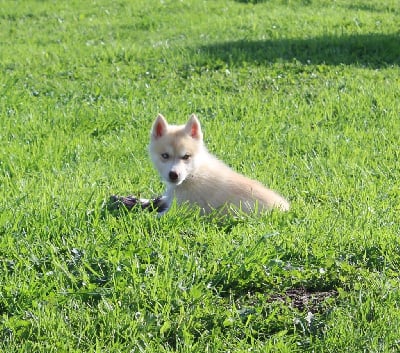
[358, 7]
[372, 50]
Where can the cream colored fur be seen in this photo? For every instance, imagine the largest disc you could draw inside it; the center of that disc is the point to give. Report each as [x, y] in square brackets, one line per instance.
[195, 176]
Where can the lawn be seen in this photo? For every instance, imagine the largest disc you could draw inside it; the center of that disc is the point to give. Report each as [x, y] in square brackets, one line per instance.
[303, 95]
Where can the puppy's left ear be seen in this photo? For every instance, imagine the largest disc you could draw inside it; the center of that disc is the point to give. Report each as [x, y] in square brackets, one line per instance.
[193, 128]
[159, 128]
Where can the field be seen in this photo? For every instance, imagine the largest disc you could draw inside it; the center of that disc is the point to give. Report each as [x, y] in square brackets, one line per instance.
[303, 95]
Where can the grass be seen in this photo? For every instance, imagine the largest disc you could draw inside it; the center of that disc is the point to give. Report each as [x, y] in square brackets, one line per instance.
[302, 95]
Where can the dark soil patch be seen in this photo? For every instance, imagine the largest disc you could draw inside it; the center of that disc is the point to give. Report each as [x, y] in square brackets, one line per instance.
[303, 299]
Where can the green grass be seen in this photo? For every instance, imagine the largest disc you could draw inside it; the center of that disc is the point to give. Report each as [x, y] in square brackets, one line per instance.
[302, 95]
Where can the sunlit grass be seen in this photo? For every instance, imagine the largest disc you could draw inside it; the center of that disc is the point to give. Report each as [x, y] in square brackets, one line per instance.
[301, 95]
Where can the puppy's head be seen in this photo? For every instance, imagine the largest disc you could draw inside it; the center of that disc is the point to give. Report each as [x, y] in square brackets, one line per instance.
[173, 149]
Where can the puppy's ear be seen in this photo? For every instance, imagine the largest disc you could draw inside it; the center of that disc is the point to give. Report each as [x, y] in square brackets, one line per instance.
[193, 128]
[160, 127]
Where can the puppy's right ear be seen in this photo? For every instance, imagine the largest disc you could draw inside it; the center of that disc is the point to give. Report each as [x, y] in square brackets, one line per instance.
[160, 126]
[193, 128]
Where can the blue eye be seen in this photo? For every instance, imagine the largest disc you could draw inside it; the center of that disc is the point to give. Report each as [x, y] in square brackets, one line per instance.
[165, 155]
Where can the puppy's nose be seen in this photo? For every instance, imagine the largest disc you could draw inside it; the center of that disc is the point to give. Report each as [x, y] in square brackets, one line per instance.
[173, 176]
